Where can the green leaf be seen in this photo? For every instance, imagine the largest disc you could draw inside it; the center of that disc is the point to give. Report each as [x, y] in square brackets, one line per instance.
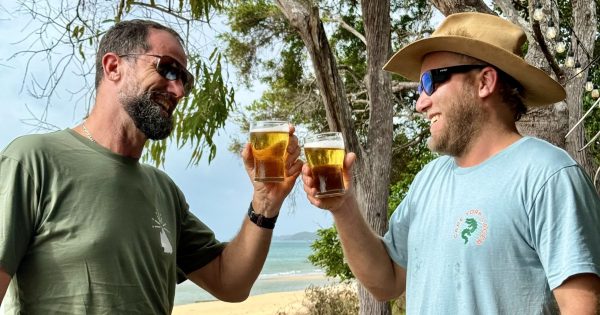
[81, 53]
[199, 116]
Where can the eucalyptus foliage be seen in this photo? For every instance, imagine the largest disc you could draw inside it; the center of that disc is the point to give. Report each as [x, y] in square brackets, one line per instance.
[65, 34]
[262, 46]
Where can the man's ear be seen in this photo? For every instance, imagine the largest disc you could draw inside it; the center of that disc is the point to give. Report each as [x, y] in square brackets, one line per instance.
[488, 81]
[111, 66]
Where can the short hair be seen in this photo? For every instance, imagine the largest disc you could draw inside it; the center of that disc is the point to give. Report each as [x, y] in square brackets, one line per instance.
[511, 91]
[127, 37]
[509, 88]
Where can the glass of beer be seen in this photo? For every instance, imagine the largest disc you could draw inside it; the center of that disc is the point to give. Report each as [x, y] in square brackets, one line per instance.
[269, 141]
[325, 155]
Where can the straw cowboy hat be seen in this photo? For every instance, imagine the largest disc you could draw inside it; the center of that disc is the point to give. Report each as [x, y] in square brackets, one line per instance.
[488, 38]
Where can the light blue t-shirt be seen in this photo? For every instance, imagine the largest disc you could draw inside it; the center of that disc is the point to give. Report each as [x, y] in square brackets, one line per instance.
[498, 237]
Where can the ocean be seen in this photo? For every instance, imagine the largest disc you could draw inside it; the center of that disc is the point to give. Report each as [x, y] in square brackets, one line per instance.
[286, 269]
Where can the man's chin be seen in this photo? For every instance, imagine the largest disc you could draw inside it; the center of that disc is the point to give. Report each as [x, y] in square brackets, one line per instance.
[157, 136]
[436, 146]
[158, 130]
[432, 144]
[165, 114]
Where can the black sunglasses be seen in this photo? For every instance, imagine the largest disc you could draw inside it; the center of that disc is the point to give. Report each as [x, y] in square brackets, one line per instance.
[171, 69]
[430, 78]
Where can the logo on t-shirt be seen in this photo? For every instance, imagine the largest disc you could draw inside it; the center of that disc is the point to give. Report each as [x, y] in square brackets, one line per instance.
[471, 228]
[162, 226]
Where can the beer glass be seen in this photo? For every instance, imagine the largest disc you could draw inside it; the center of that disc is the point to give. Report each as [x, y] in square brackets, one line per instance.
[325, 155]
[269, 141]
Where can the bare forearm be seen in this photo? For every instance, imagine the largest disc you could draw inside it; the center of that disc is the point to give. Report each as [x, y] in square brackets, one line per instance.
[243, 258]
[580, 294]
[366, 254]
[583, 305]
[230, 276]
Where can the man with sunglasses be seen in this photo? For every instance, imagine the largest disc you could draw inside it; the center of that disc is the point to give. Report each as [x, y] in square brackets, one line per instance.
[499, 224]
[87, 229]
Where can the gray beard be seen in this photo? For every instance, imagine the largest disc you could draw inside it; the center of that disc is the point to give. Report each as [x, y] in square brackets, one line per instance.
[148, 116]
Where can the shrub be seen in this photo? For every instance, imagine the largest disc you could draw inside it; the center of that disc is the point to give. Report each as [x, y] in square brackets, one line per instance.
[340, 299]
[331, 300]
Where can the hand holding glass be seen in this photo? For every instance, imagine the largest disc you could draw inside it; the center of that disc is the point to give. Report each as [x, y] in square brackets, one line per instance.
[269, 141]
[325, 155]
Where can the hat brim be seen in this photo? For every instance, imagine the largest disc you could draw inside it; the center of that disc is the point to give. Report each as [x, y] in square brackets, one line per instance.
[539, 88]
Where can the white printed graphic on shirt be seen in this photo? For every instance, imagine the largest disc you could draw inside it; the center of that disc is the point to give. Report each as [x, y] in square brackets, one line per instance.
[164, 240]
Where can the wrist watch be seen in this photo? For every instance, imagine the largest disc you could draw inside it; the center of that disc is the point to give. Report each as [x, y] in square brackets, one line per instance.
[260, 220]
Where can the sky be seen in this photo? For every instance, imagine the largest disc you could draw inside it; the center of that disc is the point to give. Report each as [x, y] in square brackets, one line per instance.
[218, 193]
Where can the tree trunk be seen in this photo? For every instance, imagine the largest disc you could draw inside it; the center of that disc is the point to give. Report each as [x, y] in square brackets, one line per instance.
[374, 198]
[310, 28]
[584, 26]
[372, 167]
[448, 7]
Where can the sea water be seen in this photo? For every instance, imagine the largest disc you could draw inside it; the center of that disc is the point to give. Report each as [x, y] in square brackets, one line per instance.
[286, 269]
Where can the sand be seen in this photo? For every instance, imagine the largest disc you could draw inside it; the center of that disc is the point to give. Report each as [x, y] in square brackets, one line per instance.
[290, 302]
[263, 304]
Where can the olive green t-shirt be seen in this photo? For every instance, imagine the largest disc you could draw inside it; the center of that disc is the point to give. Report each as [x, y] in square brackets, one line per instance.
[86, 231]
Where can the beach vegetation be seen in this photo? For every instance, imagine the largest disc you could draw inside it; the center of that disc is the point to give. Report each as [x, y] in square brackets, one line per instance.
[337, 299]
[340, 299]
[327, 254]
[331, 300]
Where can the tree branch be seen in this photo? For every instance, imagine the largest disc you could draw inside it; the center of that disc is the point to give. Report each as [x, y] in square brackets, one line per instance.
[348, 70]
[162, 9]
[539, 38]
[416, 140]
[449, 7]
[510, 12]
[349, 28]
[401, 86]
[305, 19]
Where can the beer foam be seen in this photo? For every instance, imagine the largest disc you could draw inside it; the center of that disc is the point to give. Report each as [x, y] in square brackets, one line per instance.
[331, 144]
[281, 128]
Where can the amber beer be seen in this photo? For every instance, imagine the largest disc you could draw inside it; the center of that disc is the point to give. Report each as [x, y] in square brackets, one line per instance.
[269, 141]
[325, 155]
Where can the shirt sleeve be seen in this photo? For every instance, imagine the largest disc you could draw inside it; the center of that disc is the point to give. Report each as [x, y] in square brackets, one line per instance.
[564, 222]
[396, 238]
[17, 208]
[197, 245]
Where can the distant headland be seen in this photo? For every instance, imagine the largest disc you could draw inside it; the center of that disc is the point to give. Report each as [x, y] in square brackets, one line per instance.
[301, 236]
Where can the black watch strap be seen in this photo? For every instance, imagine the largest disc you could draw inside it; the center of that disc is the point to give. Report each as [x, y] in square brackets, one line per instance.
[260, 220]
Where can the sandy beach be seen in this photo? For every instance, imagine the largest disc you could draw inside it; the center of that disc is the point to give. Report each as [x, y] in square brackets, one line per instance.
[263, 304]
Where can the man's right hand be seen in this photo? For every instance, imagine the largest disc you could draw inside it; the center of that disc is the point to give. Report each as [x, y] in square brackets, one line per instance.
[367, 257]
[331, 203]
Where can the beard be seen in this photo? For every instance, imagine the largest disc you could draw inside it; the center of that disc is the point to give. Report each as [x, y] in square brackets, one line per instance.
[148, 115]
[464, 120]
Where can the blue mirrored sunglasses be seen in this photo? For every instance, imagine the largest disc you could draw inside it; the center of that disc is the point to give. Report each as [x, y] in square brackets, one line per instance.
[172, 70]
[430, 78]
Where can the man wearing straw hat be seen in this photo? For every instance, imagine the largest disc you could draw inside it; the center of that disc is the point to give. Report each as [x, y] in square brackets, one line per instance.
[500, 223]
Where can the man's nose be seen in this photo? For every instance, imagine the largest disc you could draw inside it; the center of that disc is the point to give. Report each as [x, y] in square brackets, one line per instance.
[423, 102]
[176, 87]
